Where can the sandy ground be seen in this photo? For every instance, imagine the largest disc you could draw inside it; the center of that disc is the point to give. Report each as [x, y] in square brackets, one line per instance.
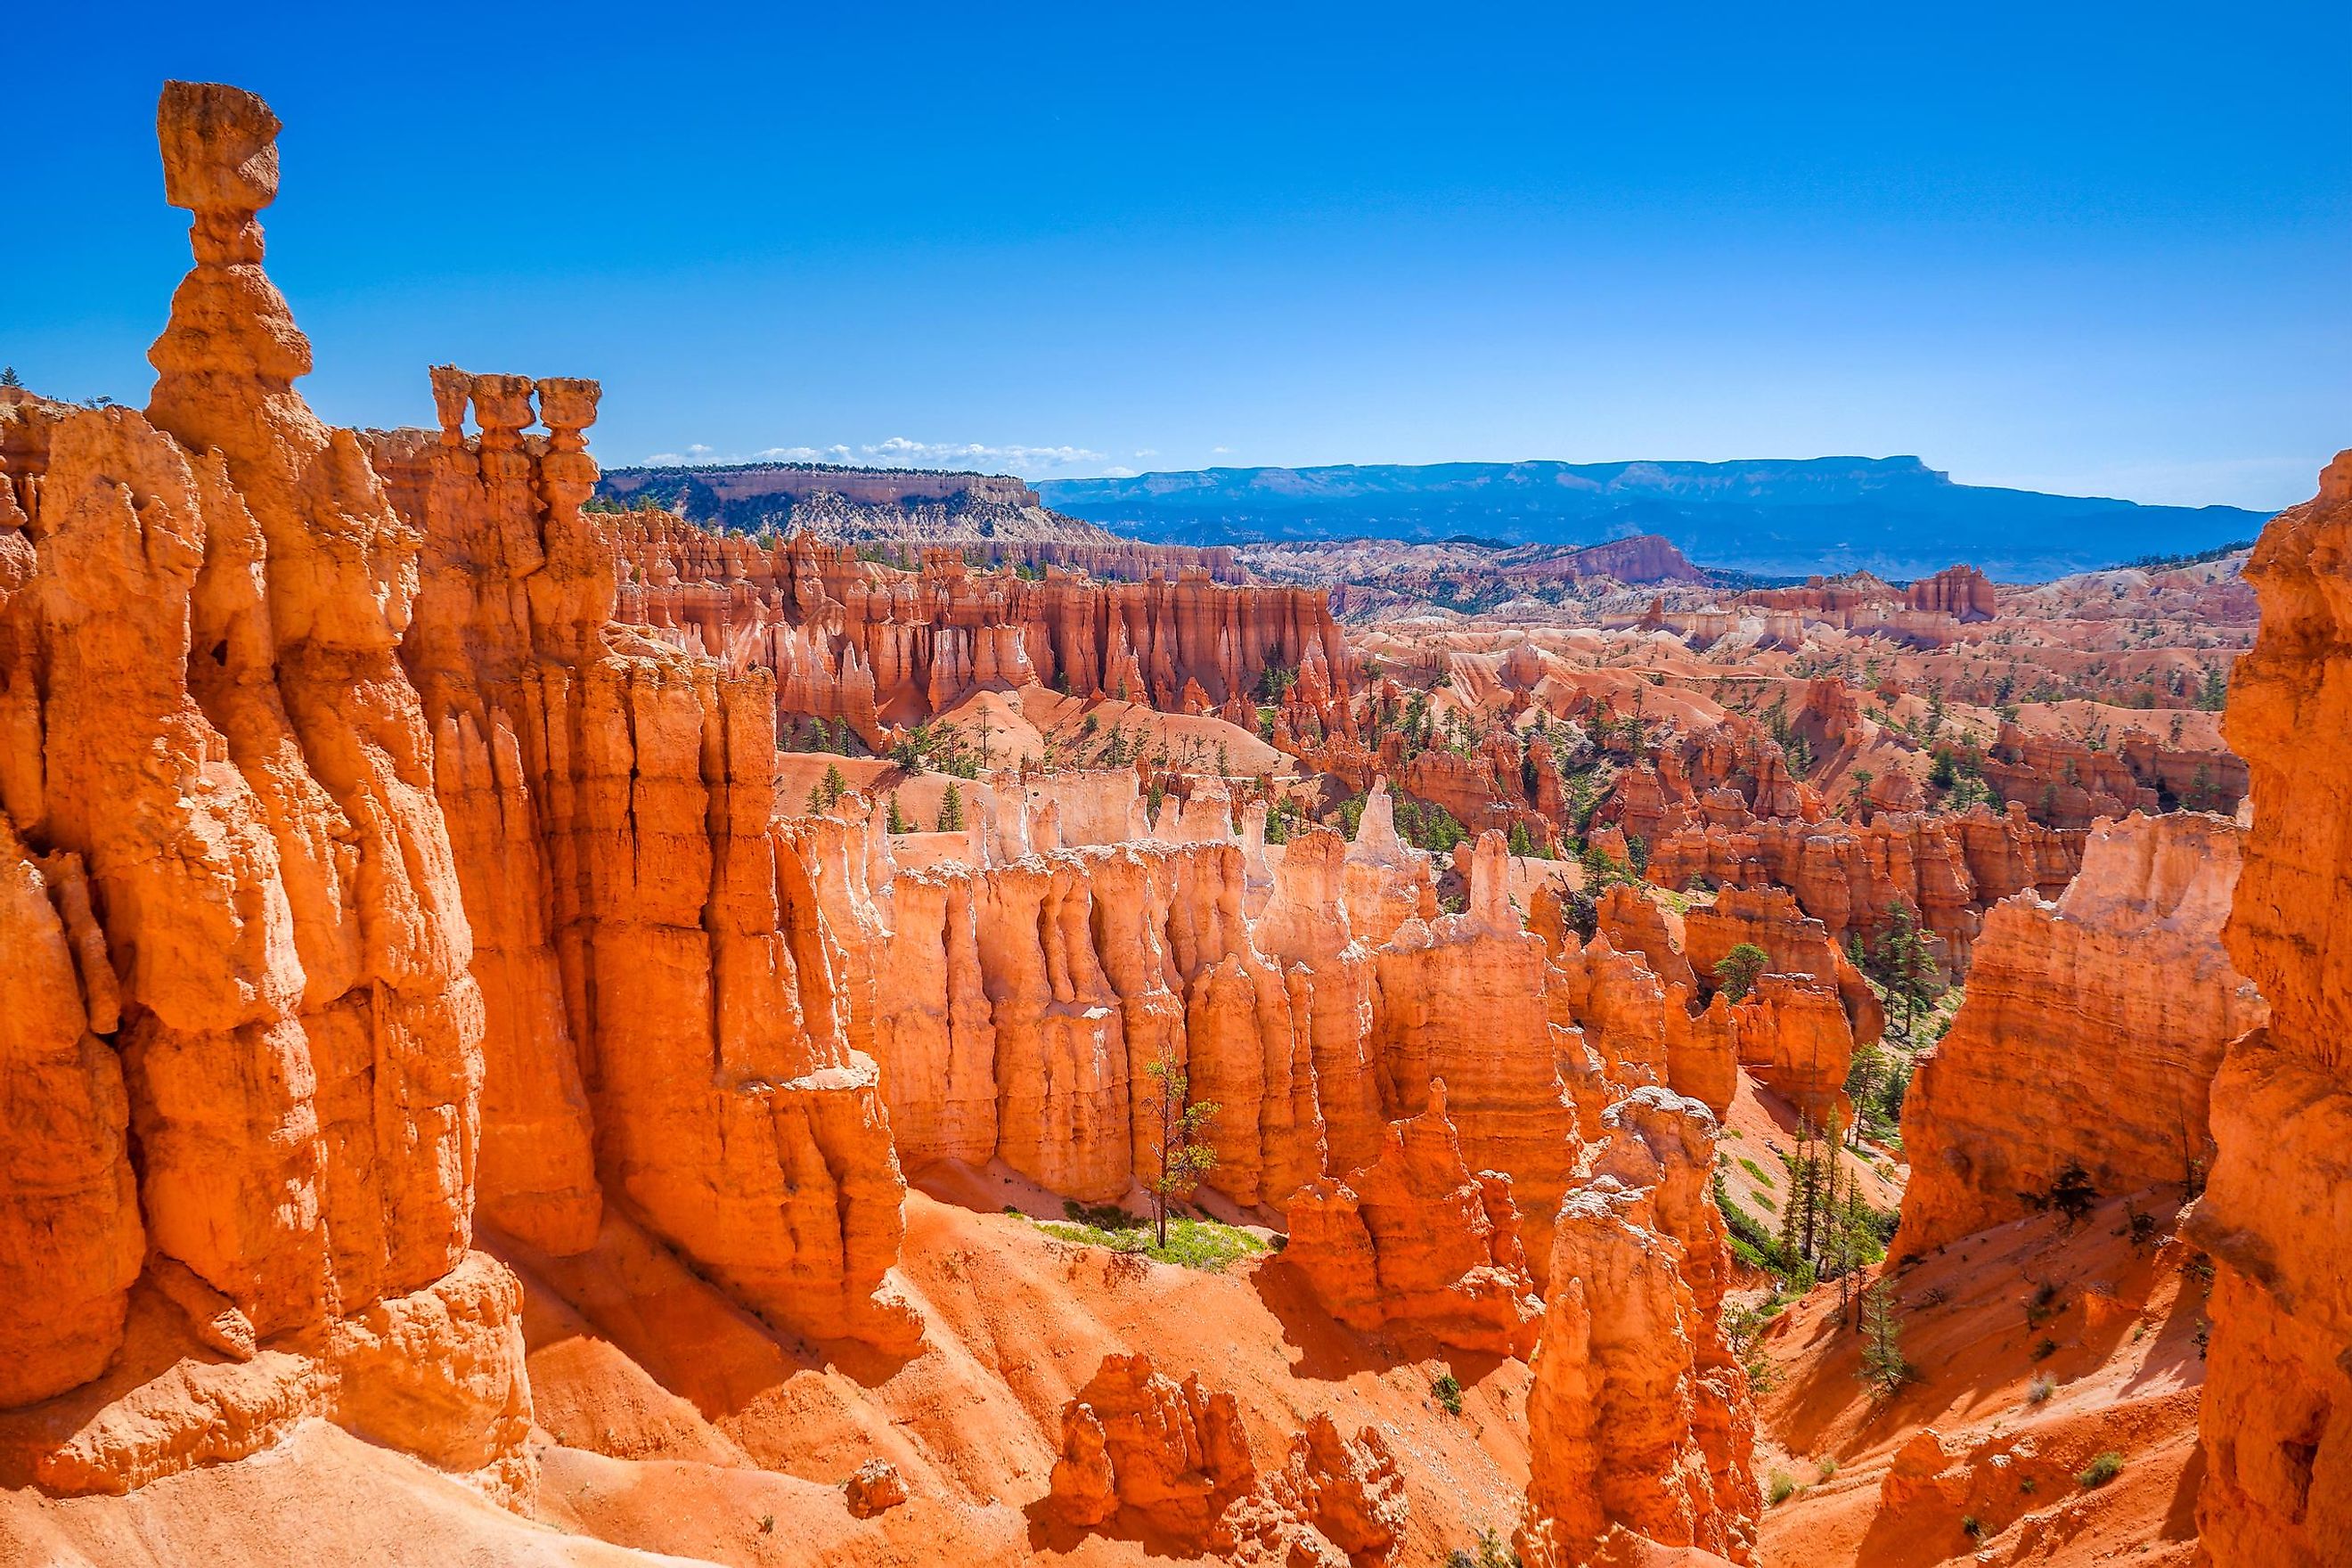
[2117, 1334]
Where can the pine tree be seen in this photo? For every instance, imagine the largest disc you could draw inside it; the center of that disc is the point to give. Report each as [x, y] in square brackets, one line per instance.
[1882, 1366]
[1180, 1152]
[1737, 969]
[1902, 961]
[897, 821]
[951, 818]
[8, 376]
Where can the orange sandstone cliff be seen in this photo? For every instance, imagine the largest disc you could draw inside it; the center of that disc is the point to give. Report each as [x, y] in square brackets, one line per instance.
[2277, 1215]
[2089, 1036]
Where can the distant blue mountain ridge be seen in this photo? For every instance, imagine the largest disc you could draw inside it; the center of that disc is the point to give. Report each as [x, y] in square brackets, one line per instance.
[1772, 517]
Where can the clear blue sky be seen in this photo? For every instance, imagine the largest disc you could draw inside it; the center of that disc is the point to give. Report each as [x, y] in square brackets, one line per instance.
[2097, 248]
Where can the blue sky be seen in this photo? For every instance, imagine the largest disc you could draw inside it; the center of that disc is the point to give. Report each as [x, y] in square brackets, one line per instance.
[2094, 249]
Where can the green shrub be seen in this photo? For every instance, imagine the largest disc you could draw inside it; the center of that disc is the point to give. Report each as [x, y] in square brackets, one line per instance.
[1493, 1552]
[1783, 1487]
[2101, 1470]
[2042, 1389]
[1447, 1389]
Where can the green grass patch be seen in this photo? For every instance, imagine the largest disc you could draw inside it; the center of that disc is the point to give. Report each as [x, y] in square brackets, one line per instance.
[1755, 1170]
[1202, 1243]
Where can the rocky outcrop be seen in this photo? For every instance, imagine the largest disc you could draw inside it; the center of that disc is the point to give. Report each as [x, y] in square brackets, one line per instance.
[1792, 1035]
[1946, 868]
[1433, 1017]
[1961, 591]
[2277, 1419]
[1174, 1453]
[1769, 918]
[2119, 996]
[1143, 1452]
[1416, 1239]
[2066, 783]
[243, 1044]
[1640, 1416]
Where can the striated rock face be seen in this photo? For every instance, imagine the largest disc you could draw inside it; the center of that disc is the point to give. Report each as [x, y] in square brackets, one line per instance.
[882, 647]
[1415, 1239]
[2277, 1419]
[677, 1007]
[1435, 1017]
[2119, 996]
[240, 1031]
[1961, 591]
[1640, 1414]
[1016, 1008]
[1847, 875]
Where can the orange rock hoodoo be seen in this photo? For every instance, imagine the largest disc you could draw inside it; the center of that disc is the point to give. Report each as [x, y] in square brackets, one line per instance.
[1415, 1239]
[232, 929]
[677, 1009]
[1639, 1413]
[2277, 1214]
[2116, 996]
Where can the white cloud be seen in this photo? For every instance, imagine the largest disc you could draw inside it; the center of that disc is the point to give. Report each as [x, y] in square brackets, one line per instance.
[902, 452]
[832, 454]
[899, 452]
[1219, 451]
[1148, 452]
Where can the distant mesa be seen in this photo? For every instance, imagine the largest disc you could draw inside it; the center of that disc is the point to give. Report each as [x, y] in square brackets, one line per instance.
[754, 482]
[996, 519]
[1774, 517]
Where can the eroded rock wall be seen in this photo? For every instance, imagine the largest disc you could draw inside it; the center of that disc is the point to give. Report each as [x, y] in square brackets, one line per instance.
[881, 647]
[1640, 1416]
[671, 1024]
[2277, 1215]
[2091, 1033]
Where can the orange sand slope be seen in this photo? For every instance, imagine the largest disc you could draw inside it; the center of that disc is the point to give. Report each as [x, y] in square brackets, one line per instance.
[669, 1420]
[2114, 1324]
